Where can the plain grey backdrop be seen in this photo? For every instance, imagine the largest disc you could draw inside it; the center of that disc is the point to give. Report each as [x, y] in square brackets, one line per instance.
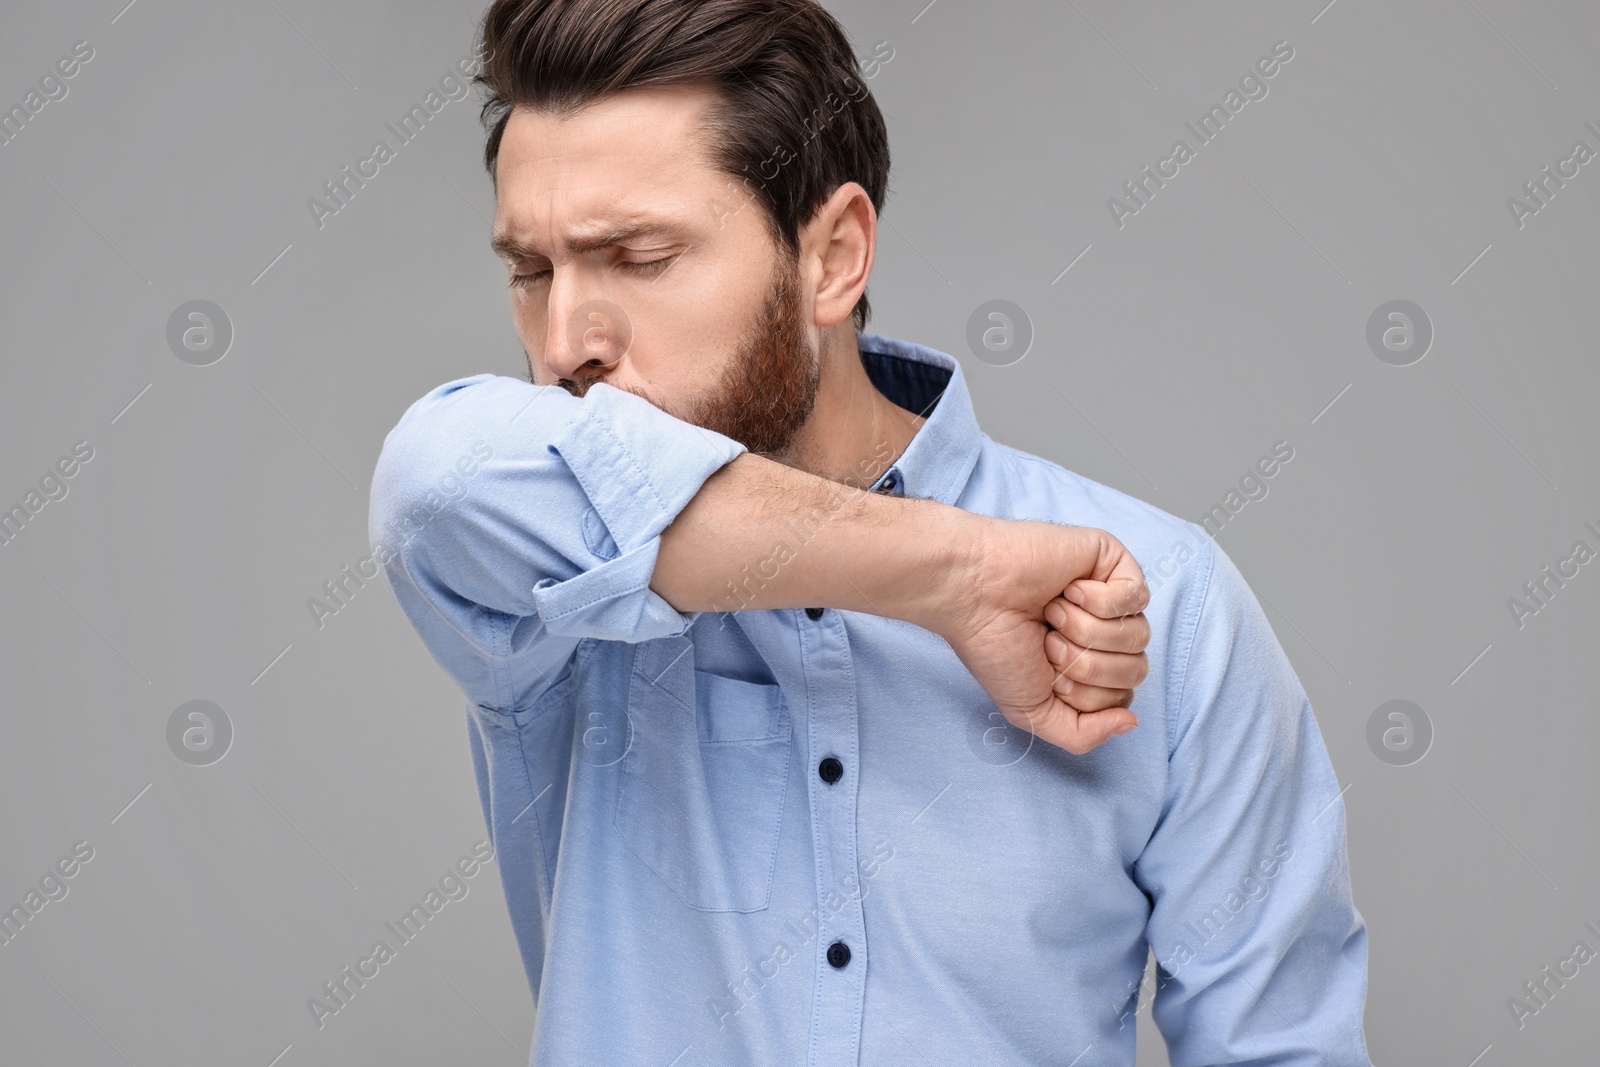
[1171, 348]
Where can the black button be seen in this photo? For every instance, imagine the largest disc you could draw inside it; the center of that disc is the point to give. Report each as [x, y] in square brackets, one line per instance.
[838, 954]
[830, 770]
[815, 613]
[888, 484]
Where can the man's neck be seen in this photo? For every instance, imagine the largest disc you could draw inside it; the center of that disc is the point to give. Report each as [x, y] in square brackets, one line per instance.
[854, 433]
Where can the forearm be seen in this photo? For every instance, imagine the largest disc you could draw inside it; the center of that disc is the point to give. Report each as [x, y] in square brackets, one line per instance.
[762, 535]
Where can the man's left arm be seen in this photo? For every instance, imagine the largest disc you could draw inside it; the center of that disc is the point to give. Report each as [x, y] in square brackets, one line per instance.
[1262, 953]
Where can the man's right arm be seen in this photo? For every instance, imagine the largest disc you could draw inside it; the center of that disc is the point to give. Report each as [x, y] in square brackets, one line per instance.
[606, 517]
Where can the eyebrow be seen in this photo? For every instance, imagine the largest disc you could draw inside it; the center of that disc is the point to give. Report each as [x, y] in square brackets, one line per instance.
[504, 244]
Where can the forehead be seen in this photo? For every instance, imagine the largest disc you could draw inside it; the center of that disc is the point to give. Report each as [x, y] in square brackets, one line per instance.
[635, 154]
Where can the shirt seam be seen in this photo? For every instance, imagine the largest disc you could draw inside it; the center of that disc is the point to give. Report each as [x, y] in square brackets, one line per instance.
[1178, 675]
[546, 876]
[617, 445]
[500, 655]
[609, 594]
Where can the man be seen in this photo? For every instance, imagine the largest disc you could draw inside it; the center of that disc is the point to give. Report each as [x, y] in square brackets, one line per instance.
[802, 713]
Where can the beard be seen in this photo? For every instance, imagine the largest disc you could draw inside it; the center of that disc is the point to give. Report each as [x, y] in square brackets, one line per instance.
[767, 391]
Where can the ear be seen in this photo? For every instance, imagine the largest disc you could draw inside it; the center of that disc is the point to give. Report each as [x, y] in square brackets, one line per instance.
[836, 251]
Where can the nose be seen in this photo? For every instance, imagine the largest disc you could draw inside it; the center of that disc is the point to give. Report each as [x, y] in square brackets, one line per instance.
[585, 330]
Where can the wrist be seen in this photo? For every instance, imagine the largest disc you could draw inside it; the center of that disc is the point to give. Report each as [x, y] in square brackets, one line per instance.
[941, 585]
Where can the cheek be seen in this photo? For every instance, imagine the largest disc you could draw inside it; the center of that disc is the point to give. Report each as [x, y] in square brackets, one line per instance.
[683, 345]
[528, 311]
[673, 368]
[527, 319]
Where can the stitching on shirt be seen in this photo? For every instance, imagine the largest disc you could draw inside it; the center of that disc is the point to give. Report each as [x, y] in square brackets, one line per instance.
[616, 593]
[514, 723]
[499, 669]
[806, 673]
[547, 879]
[502, 630]
[648, 654]
[560, 673]
[783, 797]
[618, 446]
[854, 838]
[1192, 622]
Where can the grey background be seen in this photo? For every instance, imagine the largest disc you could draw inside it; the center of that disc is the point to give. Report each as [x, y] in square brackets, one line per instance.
[1228, 314]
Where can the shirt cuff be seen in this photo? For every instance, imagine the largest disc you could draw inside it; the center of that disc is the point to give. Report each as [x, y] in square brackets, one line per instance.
[639, 467]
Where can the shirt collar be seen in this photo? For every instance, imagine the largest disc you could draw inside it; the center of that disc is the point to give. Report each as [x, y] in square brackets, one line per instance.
[939, 460]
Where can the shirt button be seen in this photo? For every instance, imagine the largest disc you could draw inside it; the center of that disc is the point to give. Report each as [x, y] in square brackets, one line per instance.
[889, 484]
[838, 954]
[815, 613]
[830, 770]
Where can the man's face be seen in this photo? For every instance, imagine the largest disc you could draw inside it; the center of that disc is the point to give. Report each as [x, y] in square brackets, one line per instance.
[633, 261]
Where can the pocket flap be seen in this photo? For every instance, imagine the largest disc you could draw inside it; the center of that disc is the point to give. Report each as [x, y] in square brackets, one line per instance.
[732, 709]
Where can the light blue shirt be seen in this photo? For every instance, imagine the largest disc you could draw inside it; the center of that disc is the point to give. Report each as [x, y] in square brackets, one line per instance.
[688, 887]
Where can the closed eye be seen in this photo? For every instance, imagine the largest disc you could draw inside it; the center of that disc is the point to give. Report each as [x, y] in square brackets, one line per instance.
[654, 266]
[646, 268]
[522, 281]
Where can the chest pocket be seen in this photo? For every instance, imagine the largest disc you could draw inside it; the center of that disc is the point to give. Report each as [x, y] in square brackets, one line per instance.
[702, 787]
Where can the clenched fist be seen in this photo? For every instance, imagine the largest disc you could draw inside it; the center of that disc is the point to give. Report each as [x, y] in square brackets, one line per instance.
[1050, 621]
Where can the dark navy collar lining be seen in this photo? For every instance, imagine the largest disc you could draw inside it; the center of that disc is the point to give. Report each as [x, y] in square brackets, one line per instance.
[916, 387]
[938, 461]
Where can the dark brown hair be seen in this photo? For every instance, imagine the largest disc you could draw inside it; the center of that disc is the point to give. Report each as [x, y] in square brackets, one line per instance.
[792, 118]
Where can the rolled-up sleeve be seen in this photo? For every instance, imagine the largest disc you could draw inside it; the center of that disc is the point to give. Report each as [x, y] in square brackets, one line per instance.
[1262, 954]
[510, 517]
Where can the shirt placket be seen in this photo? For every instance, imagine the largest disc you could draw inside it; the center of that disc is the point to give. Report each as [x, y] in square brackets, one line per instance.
[840, 945]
